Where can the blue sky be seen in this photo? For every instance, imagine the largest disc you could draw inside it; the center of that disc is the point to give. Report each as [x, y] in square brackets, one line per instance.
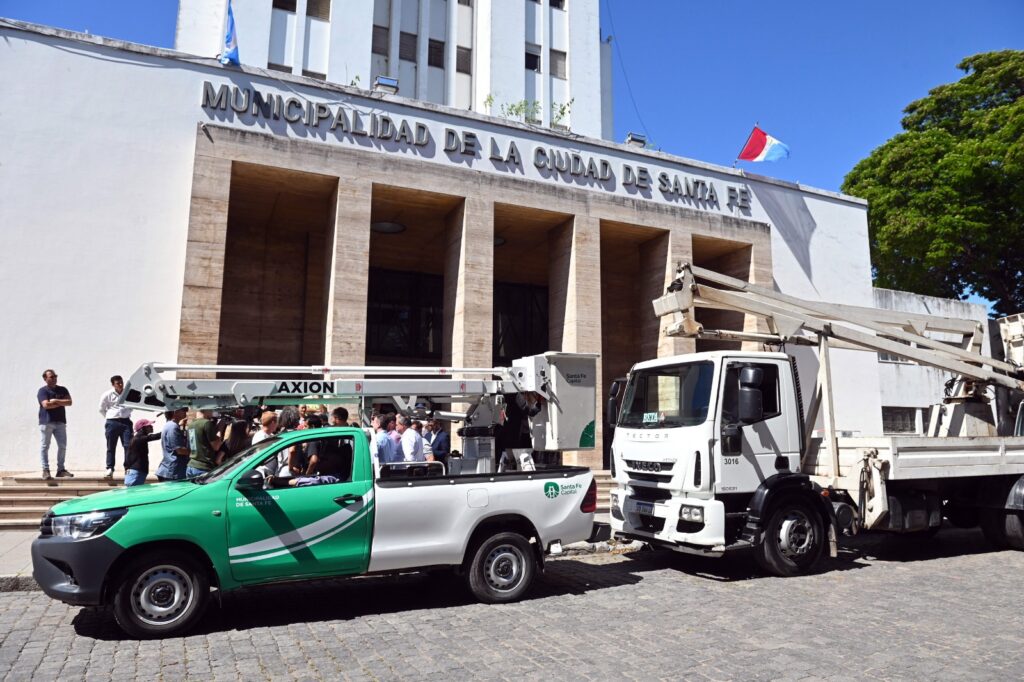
[830, 79]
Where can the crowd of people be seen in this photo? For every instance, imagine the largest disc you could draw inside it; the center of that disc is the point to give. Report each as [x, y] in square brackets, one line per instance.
[190, 447]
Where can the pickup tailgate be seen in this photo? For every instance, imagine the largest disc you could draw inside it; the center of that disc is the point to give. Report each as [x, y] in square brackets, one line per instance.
[428, 522]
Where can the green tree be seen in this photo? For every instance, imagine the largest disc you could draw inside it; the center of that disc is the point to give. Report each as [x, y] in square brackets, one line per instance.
[946, 197]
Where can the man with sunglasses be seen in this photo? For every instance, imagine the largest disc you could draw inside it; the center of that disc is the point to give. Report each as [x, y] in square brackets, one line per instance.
[52, 400]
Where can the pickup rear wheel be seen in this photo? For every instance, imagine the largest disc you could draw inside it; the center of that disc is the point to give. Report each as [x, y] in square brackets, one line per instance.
[502, 568]
[161, 593]
[794, 539]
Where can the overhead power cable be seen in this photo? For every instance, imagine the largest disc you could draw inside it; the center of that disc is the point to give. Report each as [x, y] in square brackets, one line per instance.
[625, 73]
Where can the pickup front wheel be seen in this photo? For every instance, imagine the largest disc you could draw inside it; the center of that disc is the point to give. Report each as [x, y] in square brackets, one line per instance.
[502, 568]
[161, 594]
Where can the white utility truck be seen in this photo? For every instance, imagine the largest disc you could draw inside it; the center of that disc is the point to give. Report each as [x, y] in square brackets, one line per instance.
[712, 451]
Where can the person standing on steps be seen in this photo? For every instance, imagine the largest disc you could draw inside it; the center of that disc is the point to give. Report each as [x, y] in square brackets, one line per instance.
[52, 399]
[118, 426]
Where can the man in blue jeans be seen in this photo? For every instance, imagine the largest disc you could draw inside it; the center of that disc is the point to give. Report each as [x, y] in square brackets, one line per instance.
[52, 400]
[118, 425]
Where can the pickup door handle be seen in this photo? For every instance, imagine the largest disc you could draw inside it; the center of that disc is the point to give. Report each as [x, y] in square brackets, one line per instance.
[346, 500]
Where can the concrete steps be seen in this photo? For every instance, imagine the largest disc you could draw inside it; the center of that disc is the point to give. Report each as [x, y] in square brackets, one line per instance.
[24, 498]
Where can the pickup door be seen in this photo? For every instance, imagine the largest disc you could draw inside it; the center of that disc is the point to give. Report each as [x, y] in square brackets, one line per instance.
[304, 531]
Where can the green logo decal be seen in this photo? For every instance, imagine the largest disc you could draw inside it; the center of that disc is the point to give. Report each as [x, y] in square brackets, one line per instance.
[551, 489]
[587, 436]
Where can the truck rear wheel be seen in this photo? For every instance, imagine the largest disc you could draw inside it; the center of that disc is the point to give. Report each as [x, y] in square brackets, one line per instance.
[993, 525]
[161, 593]
[502, 568]
[793, 541]
[1014, 527]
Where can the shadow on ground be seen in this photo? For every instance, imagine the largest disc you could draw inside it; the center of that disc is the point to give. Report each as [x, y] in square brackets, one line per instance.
[345, 599]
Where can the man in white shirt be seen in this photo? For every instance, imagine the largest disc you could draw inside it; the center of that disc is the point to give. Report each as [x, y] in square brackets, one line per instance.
[119, 422]
[412, 441]
[268, 427]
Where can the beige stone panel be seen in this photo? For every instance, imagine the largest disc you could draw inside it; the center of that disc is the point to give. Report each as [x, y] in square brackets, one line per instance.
[199, 331]
[574, 292]
[469, 284]
[348, 270]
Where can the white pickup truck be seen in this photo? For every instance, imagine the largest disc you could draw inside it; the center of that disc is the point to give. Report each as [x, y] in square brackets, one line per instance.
[153, 551]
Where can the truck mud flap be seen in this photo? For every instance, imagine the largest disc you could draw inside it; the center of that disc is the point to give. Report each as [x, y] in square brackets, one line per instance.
[601, 532]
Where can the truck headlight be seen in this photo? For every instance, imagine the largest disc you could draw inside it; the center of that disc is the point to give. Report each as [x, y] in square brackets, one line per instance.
[91, 524]
[695, 514]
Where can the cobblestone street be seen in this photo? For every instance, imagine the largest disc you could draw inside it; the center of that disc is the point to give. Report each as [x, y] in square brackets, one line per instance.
[888, 608]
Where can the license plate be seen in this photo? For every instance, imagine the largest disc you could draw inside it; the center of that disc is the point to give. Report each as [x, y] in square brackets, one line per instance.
[644, 508]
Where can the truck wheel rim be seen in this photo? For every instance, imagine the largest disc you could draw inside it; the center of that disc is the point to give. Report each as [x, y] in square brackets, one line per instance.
[161, 595]
[796, 534]
[504, 568]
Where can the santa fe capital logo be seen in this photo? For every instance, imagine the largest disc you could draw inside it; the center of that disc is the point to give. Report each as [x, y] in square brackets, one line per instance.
[551, 490]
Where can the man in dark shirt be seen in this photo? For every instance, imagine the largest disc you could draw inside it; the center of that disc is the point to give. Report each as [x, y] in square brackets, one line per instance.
[330, 457]
[52, 400]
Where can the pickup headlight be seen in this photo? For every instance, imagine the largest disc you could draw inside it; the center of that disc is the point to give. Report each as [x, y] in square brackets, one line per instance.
[81, 526]
[687, 513]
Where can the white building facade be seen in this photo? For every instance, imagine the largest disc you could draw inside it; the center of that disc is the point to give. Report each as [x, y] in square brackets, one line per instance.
[198, 213]
[539, 61]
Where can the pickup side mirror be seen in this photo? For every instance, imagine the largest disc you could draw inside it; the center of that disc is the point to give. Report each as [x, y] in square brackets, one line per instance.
[751, 408]
[251, 480]
[611, 412]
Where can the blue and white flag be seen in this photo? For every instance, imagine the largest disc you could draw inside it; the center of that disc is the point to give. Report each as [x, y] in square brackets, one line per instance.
[229, 53]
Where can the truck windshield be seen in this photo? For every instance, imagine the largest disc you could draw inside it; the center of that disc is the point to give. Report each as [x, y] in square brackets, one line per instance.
[662, 397]
[231, 463]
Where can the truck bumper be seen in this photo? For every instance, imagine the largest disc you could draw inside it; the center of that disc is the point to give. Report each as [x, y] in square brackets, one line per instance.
[73, 571]
[660, 523]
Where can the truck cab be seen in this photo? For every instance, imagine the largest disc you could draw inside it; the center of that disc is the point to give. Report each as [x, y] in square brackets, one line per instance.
[695, 437]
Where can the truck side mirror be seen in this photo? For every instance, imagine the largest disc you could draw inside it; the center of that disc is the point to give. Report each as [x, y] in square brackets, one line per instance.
[250, 480]
[751, 408]
[611, 412]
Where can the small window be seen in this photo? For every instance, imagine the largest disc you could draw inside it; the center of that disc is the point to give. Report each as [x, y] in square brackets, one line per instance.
[533, 58]
[407, 46]
[435, 53]
[318, 9]
[313, 74]
[279, 67]
[380, 40]
[558, 64]
[467, 3]
[899, 419]
[286, 5]
[557, 4]
[464, 60]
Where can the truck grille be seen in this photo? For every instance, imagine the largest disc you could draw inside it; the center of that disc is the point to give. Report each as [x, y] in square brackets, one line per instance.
[646, 494]
[651, 524]
[651, 467]
[651, 472]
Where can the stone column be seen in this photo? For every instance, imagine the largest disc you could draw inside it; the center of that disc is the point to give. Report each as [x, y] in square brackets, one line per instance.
[468, 289]
[659, 259]
[199, 334]
[348, 270]
[574, 308]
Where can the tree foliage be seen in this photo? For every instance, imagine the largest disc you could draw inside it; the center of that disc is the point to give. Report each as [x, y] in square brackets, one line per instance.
[946, 196]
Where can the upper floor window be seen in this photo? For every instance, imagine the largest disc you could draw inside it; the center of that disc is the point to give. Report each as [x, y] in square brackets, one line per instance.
[407, 46]
[286, 5]
[380, 40]
[435, 53]
[558, 59]
[533, 58]
[557, 4]
[464, 60]
[318, 9]
[467, 3]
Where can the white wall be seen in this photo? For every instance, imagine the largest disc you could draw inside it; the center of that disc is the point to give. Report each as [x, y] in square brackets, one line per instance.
[200, 28]
[584, 65]
[507, 33]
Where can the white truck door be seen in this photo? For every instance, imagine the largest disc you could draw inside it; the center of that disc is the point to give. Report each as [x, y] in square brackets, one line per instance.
[763, 448]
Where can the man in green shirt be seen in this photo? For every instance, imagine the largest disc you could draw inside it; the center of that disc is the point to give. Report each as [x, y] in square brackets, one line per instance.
[204, 442]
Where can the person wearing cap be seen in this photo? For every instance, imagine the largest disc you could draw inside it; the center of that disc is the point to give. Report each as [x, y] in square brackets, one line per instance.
[137, 463]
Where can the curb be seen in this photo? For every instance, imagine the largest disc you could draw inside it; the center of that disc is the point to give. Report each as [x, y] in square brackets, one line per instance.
[18, 583]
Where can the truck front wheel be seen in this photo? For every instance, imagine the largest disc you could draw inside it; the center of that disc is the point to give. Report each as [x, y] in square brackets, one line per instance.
[793, 541]
[161, 593]
[502, 568]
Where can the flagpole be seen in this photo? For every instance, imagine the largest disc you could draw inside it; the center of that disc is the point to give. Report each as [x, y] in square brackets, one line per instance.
[737, 159]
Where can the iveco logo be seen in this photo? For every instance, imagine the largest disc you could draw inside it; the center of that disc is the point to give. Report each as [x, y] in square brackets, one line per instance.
[654, 467]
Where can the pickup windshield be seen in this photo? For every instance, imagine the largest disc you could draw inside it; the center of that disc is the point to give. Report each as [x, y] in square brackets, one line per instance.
[662, 397]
